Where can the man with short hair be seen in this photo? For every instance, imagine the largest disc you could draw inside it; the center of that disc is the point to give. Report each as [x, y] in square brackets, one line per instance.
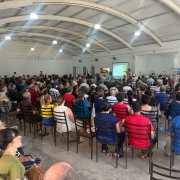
[112, 98]
[150, 81]
[137, 119]
[102, 84]
[54, 92]
[69, 98]
[60, 171]
[13, 93]
[84, 84]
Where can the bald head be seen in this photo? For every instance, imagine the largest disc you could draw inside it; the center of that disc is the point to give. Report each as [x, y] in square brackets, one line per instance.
[60, 171]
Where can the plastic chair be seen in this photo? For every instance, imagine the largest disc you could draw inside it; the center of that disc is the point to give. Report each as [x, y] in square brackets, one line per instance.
[154, 117]
[162, 174]
[138, 133]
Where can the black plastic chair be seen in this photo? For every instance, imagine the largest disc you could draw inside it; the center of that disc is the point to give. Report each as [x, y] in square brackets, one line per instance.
[175, 140]
[139, 133]
[60, 118]
[7, 113]
[43, 113]
[81, 124]
[162, 174]
[154, 118]
[106, 129]
[28, 117]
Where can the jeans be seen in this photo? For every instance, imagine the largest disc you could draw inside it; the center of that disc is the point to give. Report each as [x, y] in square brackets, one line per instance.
[111, 140]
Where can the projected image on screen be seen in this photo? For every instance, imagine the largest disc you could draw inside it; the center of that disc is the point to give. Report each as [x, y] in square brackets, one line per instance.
[119, 70]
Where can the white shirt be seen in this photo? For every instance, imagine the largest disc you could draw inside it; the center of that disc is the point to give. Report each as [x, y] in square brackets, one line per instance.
[84, 84]
[126, 89]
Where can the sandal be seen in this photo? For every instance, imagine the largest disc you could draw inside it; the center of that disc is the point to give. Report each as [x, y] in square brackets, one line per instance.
[119, 155]
[109, 155]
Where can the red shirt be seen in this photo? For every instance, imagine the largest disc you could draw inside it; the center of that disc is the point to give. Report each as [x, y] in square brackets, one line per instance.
[69, 98]
[120, 111]
[138, 120]
[34, 96]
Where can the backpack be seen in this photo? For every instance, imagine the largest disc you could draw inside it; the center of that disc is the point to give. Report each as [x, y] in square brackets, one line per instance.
[34, 173]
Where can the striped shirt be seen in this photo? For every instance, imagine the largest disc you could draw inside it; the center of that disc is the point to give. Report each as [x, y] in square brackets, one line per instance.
[111, 99]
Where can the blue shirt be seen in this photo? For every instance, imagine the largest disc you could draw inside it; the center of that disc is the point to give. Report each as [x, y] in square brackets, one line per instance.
[173, 109]
[176, 124]
[163, 99]
[98, 105]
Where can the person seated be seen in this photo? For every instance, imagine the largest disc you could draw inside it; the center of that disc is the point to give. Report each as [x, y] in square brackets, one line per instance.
[163, 98]
[10, 165]
[53, 92]
[99, 101]
[46, 111]
[137, 119]
[142, 91]
[102, 84]
[174, 107]
[126, 87]
[84, 84]
[69, 98]
[112, 98]
[13, 93]
[61, 128]
[145, 107]
[109, 118]
[170, 90]
[157, 88]
[85, 90]
[60, 171]
[81, 106]
[176, 143]
[3, 97]
[119, 106]
[152, 101]
[35, 96]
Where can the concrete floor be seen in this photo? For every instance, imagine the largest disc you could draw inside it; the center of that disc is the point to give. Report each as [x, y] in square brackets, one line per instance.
[87, 169]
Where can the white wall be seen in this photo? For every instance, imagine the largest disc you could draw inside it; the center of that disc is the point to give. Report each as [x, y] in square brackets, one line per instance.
[155, 62]
[17, 57]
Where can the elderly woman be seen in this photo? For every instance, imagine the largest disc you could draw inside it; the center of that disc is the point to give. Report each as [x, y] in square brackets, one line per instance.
[119, 108]
[10, 140]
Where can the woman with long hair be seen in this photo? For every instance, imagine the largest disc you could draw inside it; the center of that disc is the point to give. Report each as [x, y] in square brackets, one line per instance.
[10, 165]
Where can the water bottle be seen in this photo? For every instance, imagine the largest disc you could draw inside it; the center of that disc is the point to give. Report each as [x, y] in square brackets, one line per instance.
[37, 163]
[161, 126]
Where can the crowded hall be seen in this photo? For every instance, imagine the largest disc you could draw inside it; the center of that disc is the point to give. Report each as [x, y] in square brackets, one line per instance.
[89, 89]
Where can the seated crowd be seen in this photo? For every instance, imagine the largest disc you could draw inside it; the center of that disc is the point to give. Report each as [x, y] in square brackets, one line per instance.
[120, 102]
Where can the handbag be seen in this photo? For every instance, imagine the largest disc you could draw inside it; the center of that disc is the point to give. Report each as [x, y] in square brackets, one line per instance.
[34, 173]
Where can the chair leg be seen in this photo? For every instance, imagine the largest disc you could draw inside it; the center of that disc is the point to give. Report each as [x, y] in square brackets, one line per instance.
[96, 151]
[132, 152]
[117, 155]
[55, 135]
[77, 142]
[91, 148]
[41, 129]
[67, 141]
[34, 130]
[89, 142]
[173, 159]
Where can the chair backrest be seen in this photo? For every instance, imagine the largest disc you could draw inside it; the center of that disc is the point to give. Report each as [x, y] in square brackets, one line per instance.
[5, 106]
[152, 115]
[138, 133]
[60, 118]
[163, 101]
[2, 177]
[105, 128]
[175, 137]
[27, 112]
[161, 172]
[121, 113]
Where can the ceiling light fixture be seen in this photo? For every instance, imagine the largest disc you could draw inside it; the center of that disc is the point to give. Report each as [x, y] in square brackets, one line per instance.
[83, 49]
[97, 26]
[137, 33]
[32, 49]
[33, 16]
[54, 42]
[60, 50]
[88, 45]
[7, 37]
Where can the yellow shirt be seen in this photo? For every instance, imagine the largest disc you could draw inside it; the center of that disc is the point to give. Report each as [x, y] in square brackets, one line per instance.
[47, 111]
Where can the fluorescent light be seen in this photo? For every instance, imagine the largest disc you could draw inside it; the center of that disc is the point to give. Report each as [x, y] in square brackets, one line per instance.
[88, 45]
[83, 49]
[7, 37]
[33, 16]
[60, 50]
[54, 42]
[97, 26]
[32, 49]
[137, 33]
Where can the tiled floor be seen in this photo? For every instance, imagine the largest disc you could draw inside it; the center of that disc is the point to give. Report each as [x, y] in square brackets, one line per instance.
[87, 169]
